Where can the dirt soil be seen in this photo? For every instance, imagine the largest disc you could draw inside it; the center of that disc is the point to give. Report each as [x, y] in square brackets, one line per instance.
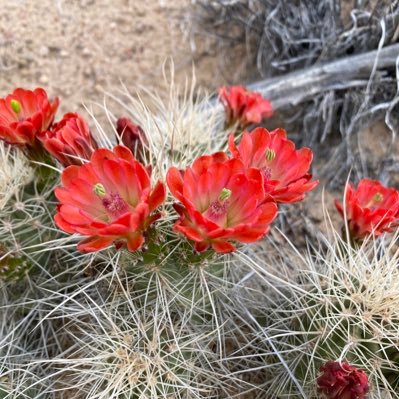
[76, 49]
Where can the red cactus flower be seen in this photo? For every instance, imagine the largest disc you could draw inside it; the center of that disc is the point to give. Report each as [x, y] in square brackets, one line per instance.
[70, 140]
[370, 208]
[243, 106]
[284, 169]
[132, 136]
[342, 381]
[222, 201]
[108, 199]
[24, 114]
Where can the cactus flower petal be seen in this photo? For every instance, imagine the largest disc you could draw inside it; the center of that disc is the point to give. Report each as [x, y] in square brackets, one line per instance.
[70, 140]
[285, 169]
[221, 201]
[109, 199]
[24, 114]
[370, 208]
[244, 107]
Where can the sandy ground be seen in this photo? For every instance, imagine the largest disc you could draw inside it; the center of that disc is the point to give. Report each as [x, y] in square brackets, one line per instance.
[78, 48]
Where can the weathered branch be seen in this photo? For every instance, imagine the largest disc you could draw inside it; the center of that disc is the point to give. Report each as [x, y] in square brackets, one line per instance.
[303, 85]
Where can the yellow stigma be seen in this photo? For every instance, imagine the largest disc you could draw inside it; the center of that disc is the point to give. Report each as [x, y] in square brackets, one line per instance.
[270, 154]
[99, 190]
[16, 106]
[225, 194]
[378, 197]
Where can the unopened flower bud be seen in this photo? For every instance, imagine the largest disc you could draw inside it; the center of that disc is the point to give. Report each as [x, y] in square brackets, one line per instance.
[132, 136]
[341, 380]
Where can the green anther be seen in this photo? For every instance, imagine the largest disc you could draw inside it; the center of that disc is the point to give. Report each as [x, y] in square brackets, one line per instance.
[99, 190]
[225, 194]
[378, 197]
[16, 106]
[270, 154]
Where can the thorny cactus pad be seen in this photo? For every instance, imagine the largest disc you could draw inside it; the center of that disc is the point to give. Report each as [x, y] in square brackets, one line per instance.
[340, 303]
[158, 309]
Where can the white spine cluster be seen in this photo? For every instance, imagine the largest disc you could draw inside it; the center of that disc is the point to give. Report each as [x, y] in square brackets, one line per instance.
[335, 303]
[15, 172]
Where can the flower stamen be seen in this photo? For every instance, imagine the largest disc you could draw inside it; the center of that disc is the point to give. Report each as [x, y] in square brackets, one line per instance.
[375, 199]
[267, 173]
[99, 190]
[217, 209]
[225, 194]
[378, 197]
[270, 154]
[15, 106]
[115, 204]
